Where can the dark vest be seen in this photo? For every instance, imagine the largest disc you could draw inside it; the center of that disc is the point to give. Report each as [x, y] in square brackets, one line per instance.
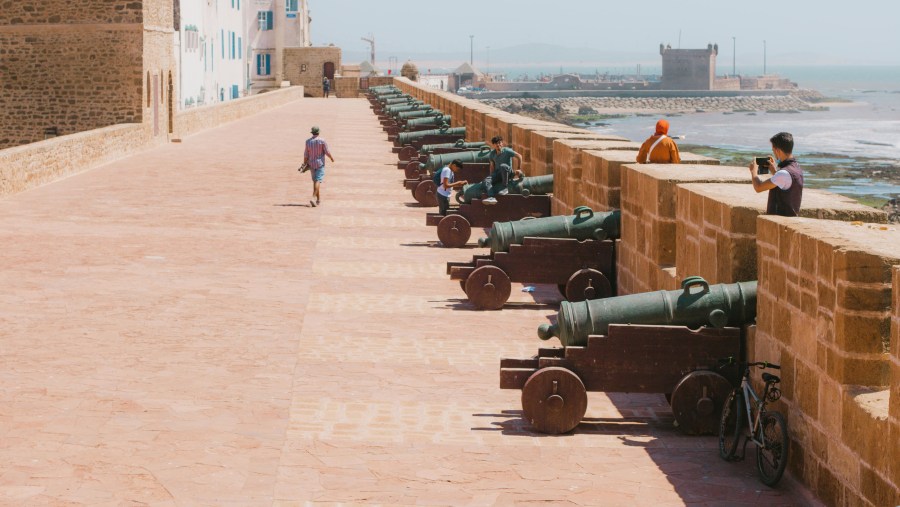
[787, 202]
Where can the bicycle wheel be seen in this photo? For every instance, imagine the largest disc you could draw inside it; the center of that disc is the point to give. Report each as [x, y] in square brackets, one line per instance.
[730, 424]
[772, 458]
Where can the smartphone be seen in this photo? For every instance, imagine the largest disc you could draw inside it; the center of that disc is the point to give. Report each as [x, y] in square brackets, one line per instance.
[762, 165]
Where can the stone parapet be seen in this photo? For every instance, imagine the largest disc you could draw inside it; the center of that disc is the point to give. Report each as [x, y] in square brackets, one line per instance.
[716, 227]
[570, 175]
[646, 260]
[197, 119]
[542, 147]
[42, 162]
[826, 302]
[346, 87]
[520, 137]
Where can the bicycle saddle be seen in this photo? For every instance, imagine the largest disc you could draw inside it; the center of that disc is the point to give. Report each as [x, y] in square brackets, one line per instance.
[769, 378]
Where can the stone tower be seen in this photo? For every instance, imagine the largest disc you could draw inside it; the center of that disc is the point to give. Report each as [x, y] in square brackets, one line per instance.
[688, 69]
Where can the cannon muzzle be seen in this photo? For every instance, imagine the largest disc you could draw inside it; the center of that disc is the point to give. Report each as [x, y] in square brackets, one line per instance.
[584, 224]
[696, 304]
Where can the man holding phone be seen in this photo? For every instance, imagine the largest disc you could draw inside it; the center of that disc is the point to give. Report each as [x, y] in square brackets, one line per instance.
[786, 185]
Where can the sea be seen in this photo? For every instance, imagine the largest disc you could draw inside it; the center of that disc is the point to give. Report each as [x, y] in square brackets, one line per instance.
[853, 148]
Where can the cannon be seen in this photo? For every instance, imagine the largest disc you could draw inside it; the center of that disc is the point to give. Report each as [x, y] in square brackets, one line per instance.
[537, 185]
[696, 304]
[418, 113]
[423, 187]
[584, 224]
[429, 121]
[672, 360]
[455, 229]
[441, 135]
[409, 153]
[435, 161]
[390, 111]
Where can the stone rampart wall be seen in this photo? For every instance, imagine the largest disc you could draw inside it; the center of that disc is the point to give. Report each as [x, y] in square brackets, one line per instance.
[35, 164]
[52, 78]
[824, 314]
[829, 303]
[17, 12]
[197, 119]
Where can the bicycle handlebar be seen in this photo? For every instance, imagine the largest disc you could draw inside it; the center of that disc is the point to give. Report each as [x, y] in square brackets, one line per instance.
[726, 361]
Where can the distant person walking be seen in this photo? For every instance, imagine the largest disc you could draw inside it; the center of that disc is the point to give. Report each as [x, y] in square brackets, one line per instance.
[659, 148]
[786, 185]
[326, 86]
[314, 161]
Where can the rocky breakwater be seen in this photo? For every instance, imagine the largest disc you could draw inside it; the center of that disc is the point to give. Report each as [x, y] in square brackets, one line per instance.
[573, 110]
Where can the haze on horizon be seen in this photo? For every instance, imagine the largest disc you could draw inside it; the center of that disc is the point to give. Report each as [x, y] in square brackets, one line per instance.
[796, 33]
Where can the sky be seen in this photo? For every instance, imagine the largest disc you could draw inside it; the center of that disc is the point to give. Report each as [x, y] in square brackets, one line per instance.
[796, 32]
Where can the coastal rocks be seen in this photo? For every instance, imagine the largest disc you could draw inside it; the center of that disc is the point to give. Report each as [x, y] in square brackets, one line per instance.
[560, 108]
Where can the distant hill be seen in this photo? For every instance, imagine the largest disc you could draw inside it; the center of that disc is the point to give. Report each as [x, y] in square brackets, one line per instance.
[519, 56]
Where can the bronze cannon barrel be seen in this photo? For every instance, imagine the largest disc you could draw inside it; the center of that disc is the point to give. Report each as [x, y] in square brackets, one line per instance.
[584, 224]
[435, 121]
[407, 137]
[696, 304]
[411, 106]
[530, 185]
[418, 113]
[436, 161]
[461, 145]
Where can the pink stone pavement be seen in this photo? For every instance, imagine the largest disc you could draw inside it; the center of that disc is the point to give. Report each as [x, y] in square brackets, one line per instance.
[181, 328]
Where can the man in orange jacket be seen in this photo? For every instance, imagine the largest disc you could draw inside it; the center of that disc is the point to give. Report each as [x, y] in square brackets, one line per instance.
[659, 148]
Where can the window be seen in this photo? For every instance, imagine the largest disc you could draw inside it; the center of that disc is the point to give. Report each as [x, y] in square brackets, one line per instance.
[233, 52]
[290, 5]
[235, 93]
[264, 20]
[263, 65]
[240, 49]
[222, 38]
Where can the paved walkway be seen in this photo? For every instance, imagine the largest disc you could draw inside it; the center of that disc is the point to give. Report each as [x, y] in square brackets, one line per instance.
[181, 328]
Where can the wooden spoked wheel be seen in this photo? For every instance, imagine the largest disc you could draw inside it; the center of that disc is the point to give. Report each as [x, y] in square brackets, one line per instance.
[697, 402]
[408, 153]
[554, 400]
[587, 284]
[454, 231]
[488, 287]
[411, 171]
[426, 193]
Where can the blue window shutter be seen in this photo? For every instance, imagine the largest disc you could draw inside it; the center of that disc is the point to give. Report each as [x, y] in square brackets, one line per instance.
[268, 20]
[258, 66]
[239, 4]
[222, 38]
[240, 48]
[268, 66]
[233, 53]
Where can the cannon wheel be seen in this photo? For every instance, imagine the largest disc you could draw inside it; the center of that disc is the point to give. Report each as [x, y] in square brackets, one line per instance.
[587, 284]
[488, 287]
[554, 400]
[462, 285]
[697, 402]
[454, 231]
[408, 153]
[425, 193]
[411, 171]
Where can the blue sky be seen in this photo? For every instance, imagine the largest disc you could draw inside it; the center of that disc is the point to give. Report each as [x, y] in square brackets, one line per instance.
[796, 32]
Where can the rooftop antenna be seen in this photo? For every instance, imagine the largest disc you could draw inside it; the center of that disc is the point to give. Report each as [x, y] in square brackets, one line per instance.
[371, 40]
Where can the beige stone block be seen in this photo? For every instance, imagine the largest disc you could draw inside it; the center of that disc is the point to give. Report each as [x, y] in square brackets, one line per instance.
[828, 487]
[875, 488]
[862, 332]
[830, 406]
[806, 388]
[869, 370]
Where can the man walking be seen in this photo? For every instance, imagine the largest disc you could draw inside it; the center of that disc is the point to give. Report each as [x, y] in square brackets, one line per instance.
[314, 160]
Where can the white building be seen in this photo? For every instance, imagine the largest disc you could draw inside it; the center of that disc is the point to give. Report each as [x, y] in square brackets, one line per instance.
[210, 51]
[272, 25]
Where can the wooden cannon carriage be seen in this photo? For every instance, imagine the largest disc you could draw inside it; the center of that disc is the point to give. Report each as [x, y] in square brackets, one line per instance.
[673, 360]
[424, 190]
[580, 269]
[455, 229]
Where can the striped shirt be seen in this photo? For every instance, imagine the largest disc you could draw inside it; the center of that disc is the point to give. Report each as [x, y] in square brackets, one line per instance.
[316, 149]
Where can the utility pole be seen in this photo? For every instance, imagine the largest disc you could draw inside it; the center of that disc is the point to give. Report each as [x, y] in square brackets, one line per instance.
[471, 52]
[371, 40]
[764, 57]
[733, 56]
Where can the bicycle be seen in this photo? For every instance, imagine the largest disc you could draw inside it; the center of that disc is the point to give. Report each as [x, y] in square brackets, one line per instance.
[768, 430]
